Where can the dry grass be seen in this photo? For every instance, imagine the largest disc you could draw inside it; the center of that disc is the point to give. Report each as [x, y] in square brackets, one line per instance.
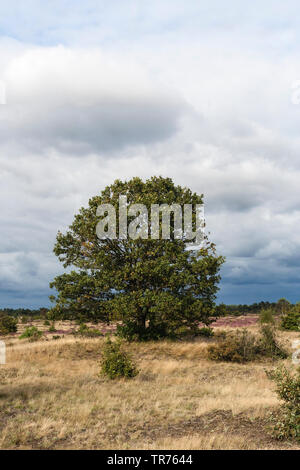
[52, 397]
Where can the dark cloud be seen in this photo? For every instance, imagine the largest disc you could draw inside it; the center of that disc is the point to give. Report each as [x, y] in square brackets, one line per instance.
[198, 108]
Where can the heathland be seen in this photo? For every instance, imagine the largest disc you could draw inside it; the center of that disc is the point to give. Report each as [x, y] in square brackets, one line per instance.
[52, 395]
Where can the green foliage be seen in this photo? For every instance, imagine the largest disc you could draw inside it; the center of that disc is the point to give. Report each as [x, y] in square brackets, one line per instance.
[283, 306]
[32, 333]
[243, 309]
[131, 331]
[52, 328]
[220, 334]
[242, 346]
[8, 324]
[81, 295]
[87, 332]
[268, 344]
[266, 316]
[155, 285]
[24, 312]
[47, 323]
[236, 347]
[221, 310]
[287, 424]
[205, 331]
[117, 363]
[291, 320]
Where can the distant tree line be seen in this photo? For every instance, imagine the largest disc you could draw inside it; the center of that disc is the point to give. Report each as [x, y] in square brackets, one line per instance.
[222, 310]
[24, 312]
[281, 306]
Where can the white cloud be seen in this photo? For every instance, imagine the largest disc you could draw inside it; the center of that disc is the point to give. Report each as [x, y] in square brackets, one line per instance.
[209, 106]
[79, 101]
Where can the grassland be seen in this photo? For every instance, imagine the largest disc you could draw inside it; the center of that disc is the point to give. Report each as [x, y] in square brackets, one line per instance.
[52, 397]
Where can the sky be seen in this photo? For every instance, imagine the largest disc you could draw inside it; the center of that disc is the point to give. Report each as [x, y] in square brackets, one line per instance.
[207, 93]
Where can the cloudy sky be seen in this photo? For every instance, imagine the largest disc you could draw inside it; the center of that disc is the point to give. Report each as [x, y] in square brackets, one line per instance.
[204, 92]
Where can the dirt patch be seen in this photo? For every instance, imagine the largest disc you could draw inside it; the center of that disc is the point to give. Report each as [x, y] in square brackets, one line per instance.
[221, 422]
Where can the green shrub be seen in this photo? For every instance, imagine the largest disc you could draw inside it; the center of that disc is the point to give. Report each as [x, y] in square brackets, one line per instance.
[80, 319]
[266, 316]
[87, 332]
[52, 328]
[32, 333]
[242, 346]
[205, 331]
[237, 347]
[117, 363]
[283, 306]
[268, 344]
[291, 321]
[131, 331]
[47, 323]
[287, 424]
[8, 324]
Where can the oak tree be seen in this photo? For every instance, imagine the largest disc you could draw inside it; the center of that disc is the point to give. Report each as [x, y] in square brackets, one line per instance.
[154, 286]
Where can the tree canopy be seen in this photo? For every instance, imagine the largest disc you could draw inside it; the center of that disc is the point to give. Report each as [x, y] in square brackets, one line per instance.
[153, 286]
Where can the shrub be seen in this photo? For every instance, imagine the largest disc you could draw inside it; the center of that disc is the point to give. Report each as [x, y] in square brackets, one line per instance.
[268, 344]
[117, 363]
[242, 346]
[291, 321]
[205, 331]
[266, 316]
[87, 332]
[52, 328]
[32, 333]
[237, 347]
[237, 313]
[287, 424]
[133, 332]
[8, 324]
[220, 334]
[47, 323]
[283, 306]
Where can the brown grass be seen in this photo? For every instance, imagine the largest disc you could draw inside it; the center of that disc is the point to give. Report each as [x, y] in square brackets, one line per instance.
[52, 397]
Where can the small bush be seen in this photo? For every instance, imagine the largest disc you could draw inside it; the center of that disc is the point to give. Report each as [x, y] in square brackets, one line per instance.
[220, 334]
[52, 328]
[283, 306]
[242, 346]
[291, 321]
[266, 316]
[237, 347]
[287, 424]
[47, 323]
[32, 333]
[87, 332]
[206, 331]
[117, 363]
[8, 324]
[268, 344]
